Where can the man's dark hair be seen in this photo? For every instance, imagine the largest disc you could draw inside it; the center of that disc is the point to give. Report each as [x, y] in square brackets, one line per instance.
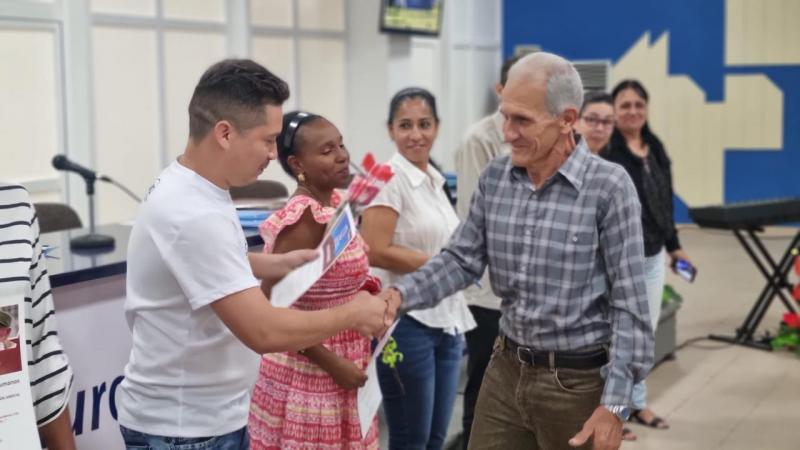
[235, 90]
[506, 67]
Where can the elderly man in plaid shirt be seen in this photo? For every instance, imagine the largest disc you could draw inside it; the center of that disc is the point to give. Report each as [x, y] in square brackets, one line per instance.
[560, 230]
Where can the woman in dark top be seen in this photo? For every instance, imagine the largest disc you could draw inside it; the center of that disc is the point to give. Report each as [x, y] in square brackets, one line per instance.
[642, 154]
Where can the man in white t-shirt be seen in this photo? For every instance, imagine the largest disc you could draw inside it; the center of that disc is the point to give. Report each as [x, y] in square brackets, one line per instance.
[198, 316]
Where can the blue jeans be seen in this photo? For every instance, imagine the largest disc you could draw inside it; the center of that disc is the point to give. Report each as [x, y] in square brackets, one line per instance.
[418, 399]
[135, 440]
[654, 273]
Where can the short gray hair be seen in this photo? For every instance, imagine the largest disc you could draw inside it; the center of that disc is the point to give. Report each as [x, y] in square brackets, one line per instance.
[564, 87]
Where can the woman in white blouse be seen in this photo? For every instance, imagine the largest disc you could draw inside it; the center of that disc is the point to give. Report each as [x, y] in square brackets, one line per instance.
[410, 221]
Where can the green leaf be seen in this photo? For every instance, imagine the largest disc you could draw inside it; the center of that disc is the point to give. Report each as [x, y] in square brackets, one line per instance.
[389, 355]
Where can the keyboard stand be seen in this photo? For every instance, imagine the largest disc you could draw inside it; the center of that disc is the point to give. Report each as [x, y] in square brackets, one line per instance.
[777, 285]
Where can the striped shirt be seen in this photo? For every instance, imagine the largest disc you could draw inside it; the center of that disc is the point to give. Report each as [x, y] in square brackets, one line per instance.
[566, 259]
[23, 274]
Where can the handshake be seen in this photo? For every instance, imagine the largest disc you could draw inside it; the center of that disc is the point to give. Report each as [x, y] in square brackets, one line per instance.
[373, 315]
[370, 315]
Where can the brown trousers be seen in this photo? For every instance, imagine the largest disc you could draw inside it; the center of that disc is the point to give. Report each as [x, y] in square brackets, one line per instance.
[521, 407]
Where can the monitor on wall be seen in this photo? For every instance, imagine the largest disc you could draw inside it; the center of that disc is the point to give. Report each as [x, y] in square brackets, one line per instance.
[411, 16]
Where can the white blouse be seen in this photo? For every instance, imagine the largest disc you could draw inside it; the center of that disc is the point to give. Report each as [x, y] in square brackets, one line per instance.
[426, 219]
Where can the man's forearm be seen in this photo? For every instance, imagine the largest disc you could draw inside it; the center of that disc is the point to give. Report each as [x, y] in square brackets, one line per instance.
[632, 345]
[273, 267]
[397, 259]
[631, 354]
[268, 267]
[458, 265]
[294, 330]
[439, 278]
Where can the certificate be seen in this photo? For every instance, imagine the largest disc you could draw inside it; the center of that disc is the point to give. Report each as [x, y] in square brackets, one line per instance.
[17, 418]
[369, 397]
[297, 282]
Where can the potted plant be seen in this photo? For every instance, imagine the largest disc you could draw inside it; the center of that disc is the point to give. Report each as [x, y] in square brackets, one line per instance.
[789, 332]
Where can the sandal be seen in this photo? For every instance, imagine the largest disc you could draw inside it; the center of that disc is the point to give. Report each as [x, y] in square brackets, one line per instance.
[628, 434]
[657, 422]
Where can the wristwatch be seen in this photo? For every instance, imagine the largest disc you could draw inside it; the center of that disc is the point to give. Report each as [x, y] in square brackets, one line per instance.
[621, 411]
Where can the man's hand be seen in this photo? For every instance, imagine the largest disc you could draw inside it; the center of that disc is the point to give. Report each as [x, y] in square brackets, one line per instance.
[346, 374]
[393, 299]
[605, 429]
[370, 314]
[297, 258]
[271, 268]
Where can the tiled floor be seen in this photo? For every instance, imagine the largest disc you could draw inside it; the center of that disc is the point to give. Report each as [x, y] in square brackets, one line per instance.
[715, 395]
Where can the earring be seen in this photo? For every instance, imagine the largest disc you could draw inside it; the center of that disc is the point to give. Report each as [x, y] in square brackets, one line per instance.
[301, 178]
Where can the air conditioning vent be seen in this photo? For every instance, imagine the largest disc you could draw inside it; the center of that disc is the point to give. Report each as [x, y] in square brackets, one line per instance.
[594, 74]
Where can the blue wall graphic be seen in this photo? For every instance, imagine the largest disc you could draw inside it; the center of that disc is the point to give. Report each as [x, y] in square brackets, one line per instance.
[606, 30]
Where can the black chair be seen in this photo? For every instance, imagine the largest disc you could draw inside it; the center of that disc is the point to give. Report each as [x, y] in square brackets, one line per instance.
[260, 189]
[56, 217]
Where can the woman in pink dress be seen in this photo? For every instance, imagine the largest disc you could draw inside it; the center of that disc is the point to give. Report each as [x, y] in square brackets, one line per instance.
[307, 399]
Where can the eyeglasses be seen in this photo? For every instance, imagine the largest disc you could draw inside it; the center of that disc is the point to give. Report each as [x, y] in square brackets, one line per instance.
[593, 121]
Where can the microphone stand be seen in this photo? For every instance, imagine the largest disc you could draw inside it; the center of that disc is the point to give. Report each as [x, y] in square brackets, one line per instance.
[119, 185]
[93, 240]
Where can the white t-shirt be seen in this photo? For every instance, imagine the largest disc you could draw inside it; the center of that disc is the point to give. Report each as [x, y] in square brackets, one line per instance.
[425, 222]
[188, 375]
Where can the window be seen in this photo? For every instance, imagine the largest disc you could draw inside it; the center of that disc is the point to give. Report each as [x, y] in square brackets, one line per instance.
[303, 42]
[147, 58]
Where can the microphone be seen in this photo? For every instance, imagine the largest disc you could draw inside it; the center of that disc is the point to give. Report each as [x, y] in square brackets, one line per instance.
[92, 241]
[61, 162]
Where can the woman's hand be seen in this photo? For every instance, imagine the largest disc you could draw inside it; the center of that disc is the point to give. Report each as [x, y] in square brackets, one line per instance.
[345, 373]
[676, 255]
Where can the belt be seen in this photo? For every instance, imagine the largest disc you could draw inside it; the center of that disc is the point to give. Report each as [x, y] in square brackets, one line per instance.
[567, 360]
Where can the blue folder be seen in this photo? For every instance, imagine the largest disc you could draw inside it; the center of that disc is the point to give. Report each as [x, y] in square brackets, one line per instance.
[251, 218]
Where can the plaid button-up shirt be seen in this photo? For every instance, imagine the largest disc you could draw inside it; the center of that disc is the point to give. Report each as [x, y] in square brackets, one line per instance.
[567, 260]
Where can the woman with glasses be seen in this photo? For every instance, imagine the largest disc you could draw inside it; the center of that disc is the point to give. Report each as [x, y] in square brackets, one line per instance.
[596, 121]
[634, 146]
[307, 399]
[409, 221]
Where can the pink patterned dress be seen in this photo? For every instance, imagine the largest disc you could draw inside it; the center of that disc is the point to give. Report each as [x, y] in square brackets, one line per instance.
[296, 404]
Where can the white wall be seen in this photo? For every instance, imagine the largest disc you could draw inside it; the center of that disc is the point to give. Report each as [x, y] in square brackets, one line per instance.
[368, 87]
[460, 68]
[115, 82]
[32, 96]
[474, 56]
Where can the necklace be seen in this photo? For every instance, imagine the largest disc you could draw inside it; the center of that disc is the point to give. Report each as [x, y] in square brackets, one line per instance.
[312, 194]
